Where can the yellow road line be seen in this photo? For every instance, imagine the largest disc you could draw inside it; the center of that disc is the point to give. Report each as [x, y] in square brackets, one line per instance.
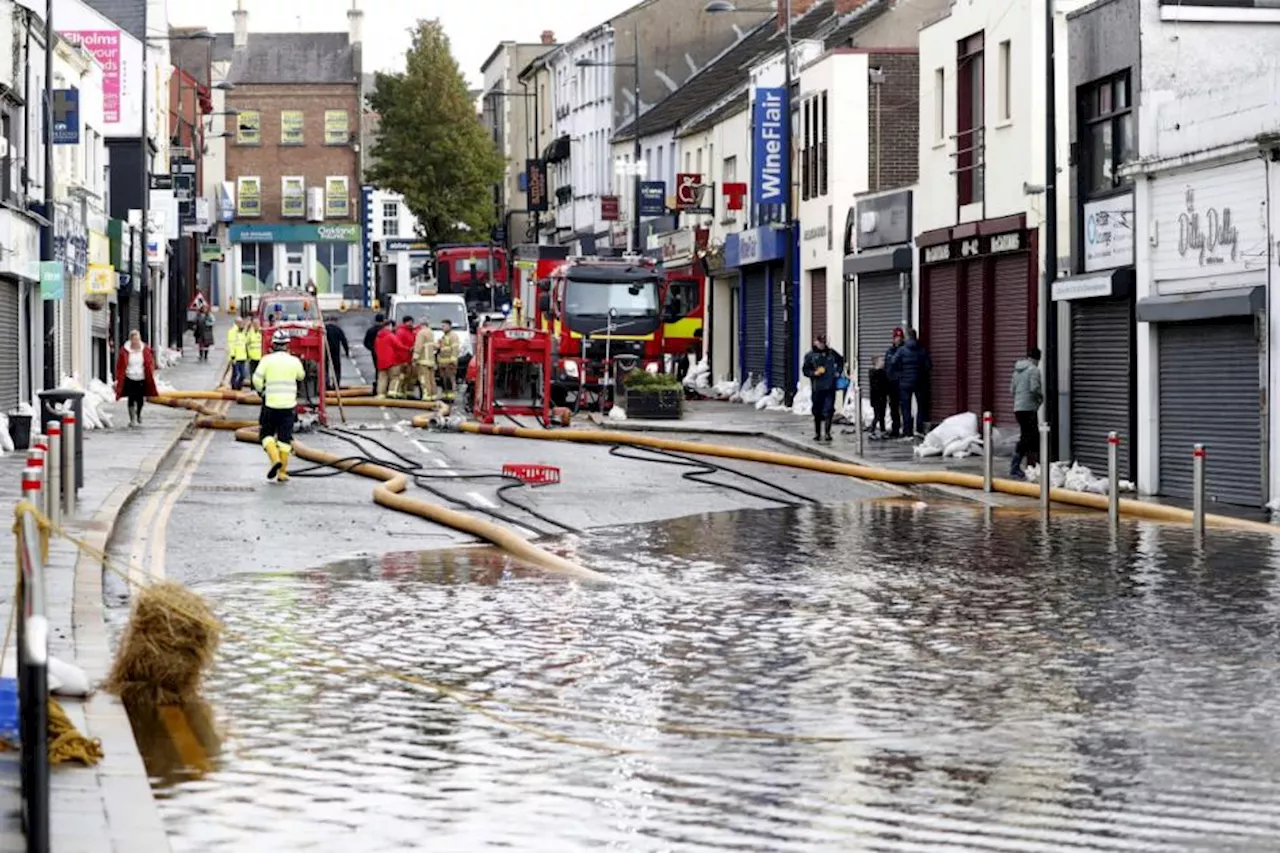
[155, 564]
[139, 550]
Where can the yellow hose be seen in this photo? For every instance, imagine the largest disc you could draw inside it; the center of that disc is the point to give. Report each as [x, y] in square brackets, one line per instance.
[1134, 508]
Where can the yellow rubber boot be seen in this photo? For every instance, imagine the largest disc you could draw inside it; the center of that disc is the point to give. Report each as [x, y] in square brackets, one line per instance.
[285, 452]
[273, 453]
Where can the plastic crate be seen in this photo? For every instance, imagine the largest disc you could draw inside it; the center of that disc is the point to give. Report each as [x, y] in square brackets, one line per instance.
[9, 714]
[533, 475]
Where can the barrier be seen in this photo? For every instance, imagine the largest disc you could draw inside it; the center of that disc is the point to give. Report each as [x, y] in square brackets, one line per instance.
[72, 476]
[33, 667]
[1197, 489]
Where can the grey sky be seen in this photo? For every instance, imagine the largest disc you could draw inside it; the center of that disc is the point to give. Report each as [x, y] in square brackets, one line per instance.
[474, 26]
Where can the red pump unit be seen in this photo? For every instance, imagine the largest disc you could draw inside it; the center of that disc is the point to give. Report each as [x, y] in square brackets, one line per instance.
[297, 312]
[513, 374]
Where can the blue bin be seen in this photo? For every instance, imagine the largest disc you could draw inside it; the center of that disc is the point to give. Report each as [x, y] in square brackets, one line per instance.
[9, 730]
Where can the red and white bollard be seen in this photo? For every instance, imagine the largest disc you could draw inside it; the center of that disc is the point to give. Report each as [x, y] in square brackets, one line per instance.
[1113, 480]
[1198, 457]
[70, 476]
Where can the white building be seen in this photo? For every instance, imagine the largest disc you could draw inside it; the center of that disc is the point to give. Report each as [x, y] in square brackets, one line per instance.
[394, 234]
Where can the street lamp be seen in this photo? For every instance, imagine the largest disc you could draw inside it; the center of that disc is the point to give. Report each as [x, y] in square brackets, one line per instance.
[788, 259]
[634, 65]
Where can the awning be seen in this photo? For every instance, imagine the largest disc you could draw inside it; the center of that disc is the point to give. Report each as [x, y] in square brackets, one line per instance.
[557, 151]
[879, 260]
[1112, 284]
[1205, 305]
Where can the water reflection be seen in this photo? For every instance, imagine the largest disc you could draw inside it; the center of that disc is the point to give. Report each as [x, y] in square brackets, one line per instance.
[996, 684]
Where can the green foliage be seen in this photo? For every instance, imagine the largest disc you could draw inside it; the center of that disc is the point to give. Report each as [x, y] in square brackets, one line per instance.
[431, 146]
[643, 380]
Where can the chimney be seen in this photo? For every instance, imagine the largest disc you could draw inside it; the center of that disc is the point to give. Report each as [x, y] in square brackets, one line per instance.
[355, 24]
[241, 37]
[548, 37]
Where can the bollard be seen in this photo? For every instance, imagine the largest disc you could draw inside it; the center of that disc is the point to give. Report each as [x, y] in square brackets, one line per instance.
[857, 402]
[1045, 470]
[38, 457]
[1113, 480]
[33, 684]
[55, 472]
[988, 452]
[1197, 497]
[71, 475]
[33, 493]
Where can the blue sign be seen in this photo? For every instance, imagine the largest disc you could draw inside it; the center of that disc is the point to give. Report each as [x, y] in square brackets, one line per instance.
[653, 198]
[51, 280]
[770, 148]
[336, 233]
[66, 116]
[754, 247]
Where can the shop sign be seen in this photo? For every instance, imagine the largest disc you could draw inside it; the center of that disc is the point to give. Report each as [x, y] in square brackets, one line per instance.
[754, 247]
[653, 198]
[535, 172]
[693, 196]
[818, 232]
[770, 161]
[968, 248]
[1108, 233]
[101, 279]
[51, 280]
[211, 253]
[66, 116]
[610, 208]
[938, 253]
[406, 246]
[328, 233]
[677, 248]
[1084, 287]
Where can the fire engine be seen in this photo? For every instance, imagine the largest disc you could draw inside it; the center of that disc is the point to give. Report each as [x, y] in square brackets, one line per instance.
[605, 317]
[476, 272]
[297, 311]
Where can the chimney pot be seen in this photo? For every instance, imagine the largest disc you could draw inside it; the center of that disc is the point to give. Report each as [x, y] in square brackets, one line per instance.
[355, 24]
[241, 36]
[548, 37]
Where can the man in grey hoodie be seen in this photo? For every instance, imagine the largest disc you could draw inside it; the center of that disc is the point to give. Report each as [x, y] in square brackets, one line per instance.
[1028, 394]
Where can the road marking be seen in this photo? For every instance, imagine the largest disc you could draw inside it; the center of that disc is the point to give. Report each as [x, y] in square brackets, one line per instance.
[482, 500]
[156, 561]
[426, 450]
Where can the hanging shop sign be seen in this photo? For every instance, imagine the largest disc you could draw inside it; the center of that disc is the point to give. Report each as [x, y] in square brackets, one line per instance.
[770, 160]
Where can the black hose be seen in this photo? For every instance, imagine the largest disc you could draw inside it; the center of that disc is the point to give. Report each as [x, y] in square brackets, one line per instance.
[703, 469]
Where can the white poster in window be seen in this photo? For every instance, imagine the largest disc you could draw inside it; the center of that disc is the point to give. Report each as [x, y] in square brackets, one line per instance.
[1108, 233]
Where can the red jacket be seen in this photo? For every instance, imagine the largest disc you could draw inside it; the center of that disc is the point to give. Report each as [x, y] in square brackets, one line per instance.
[407, 336]
[148, 367]
[389, 350]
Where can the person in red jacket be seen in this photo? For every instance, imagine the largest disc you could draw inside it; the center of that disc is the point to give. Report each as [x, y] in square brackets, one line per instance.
[390, 355]
[402, 385]
[135, 375]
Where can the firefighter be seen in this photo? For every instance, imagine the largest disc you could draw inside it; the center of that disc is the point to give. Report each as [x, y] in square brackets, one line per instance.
[424, 360]
[253, 345]
[447, 352]
[238, 353]
[276, 379]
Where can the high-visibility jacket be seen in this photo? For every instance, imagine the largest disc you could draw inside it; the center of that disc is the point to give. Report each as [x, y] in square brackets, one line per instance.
[449, 350]
[424, 348]
[237, 344]
[277, 378]
[253, 343]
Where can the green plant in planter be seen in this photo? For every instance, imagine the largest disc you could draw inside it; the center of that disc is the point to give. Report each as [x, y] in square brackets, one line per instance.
[643, 380]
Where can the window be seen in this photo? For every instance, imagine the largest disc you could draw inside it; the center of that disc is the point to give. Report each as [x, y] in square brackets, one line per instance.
[1003, 94]
[333, 272]
[293, 196]
[729, 172]
[939, 106]
[257, 262]
[337, 129]
[391, 219]
[248, 197]
[970, 121]
[823, 171]
[337, 204]
[291, 127]
[697, 166]
[685, 295]
[249, 128]
[7, 179]
[1107, 133]
[806, 147]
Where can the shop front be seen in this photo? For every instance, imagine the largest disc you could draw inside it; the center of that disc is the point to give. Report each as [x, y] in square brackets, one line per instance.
[1204, 312]
[1101, 363]
[758, 257]
[878, 267]
[327, 255]
[978, 304]
[405, 265]
[71, 249]
[126, 257]
[21, 239]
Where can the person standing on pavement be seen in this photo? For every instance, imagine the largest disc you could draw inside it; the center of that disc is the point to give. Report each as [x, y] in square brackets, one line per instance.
[135, 376]
[204, 331]
[891, 374]
[424, 361]
[238, 352]
[823, 366]
[1027, 388]
[276, 379]
[913, 365]
[387, 355]
[336, 339]
[407, 335]
[448, 351]
[879, 396]
[253, 345]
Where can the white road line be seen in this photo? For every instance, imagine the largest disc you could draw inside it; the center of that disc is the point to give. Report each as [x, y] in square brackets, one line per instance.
[482, 500]
[418, 444]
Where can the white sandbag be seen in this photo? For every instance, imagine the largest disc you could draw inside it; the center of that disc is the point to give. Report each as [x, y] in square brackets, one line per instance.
[803, 402]
[963, 425]
[67, 679]
[771, 401]
[725, 389]
[617, 413]
[970, 445]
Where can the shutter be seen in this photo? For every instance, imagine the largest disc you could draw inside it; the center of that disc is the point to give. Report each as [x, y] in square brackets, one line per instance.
[778, 348]
[1209, 379]
[755, 294]
[975, 394]
[9, 348]
[818, 302]
[66, 332]
[134, 315]
[1102, 371]
[100, 322]
[879, 313]
[1011, 328]
[941, 339]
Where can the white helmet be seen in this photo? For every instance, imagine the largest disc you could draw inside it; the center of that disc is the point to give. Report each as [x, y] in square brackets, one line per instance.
[280, 339]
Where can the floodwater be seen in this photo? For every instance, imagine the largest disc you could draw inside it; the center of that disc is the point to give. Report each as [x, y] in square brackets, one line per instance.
[878, 676]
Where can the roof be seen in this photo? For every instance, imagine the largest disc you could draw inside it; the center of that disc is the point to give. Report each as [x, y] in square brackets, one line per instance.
[129, 15]
[733, 106]
[296, 58]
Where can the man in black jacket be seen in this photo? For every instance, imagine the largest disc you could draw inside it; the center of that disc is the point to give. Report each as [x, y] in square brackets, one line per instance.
[336, 339]
[371, 334]
[823, 366]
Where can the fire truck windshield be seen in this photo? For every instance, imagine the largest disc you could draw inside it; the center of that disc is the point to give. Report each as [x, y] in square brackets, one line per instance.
[290, 309]
[628, 299]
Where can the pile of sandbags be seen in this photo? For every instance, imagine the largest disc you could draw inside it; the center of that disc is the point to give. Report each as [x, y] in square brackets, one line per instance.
[167, 357]
[957, 437]
[1075, 477]
[803, 403]
[95, 406]
[6, 440]
[699, 377]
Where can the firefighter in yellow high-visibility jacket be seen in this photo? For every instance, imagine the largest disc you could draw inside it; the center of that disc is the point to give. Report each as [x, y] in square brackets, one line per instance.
[276, 379]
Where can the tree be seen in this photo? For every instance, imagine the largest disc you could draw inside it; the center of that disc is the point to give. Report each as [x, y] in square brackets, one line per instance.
[431, 146]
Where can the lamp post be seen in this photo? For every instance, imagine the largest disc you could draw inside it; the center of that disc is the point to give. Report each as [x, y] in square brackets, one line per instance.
[788, 226]
[46, 232]
[634, 65]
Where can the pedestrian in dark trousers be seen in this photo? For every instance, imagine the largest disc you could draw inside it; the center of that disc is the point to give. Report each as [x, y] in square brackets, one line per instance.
[336, 339]
[823, 366]
[879, 397]
[891, 374]
[370, 335]
[913, 380]
[1027, 388]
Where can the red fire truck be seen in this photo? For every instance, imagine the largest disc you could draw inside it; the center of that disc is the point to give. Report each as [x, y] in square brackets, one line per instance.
[476, 272]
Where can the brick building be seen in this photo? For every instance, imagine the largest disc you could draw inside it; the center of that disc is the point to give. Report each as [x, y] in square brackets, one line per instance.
[293, 159]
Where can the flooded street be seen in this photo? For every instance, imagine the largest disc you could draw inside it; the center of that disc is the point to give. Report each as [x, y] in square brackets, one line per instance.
[874, 676]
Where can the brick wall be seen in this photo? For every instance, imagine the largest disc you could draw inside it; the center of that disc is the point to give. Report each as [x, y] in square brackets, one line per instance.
[313, 160]
[900, 118]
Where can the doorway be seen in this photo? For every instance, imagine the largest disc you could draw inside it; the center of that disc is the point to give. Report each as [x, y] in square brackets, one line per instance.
[293, 264]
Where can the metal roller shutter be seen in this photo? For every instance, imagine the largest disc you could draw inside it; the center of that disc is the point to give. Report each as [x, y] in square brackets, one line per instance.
[1209, 380]
[9, 348]
[100, 321]
[941, 337]
[1102, 371]
[975, 342]
[879, 313]
[134, 315]
[778, 349]
[1011, 329]
[818, 302]
[755, 295]
[66, 333]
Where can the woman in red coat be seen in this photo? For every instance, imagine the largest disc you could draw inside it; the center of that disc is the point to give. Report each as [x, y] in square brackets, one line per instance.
[135, 376]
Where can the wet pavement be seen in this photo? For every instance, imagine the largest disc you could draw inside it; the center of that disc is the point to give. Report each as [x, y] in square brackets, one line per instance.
[877, 675]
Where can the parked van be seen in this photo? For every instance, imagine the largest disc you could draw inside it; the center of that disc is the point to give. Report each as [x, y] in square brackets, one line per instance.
[433, 310]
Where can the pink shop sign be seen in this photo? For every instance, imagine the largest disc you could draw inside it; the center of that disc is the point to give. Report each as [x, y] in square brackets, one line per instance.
[104, 46]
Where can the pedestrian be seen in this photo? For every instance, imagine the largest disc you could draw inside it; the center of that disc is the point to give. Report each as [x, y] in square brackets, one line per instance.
[253, 345]
[424, 361]
[238, 352]
[135, 375]
[204, 331]
[823, 366]
[370, 339]
[879, 396]
[448, 350]
[389, 355]
[276, 379]
[913, 365]
[336, 339]
[891, 374]
[1027, 388]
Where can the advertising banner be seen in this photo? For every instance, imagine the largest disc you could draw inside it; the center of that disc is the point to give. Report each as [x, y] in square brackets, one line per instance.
[536, 185]
[293, 197]
[653, 198]
[770, 159]
[248, 197]
[336, 203]
[66, 116]
[337, 128]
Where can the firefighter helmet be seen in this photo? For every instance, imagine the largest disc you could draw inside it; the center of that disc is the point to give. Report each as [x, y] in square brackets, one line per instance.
[280, 339]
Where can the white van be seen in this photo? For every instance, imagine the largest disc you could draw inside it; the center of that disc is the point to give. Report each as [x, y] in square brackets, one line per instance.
[434, 309]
